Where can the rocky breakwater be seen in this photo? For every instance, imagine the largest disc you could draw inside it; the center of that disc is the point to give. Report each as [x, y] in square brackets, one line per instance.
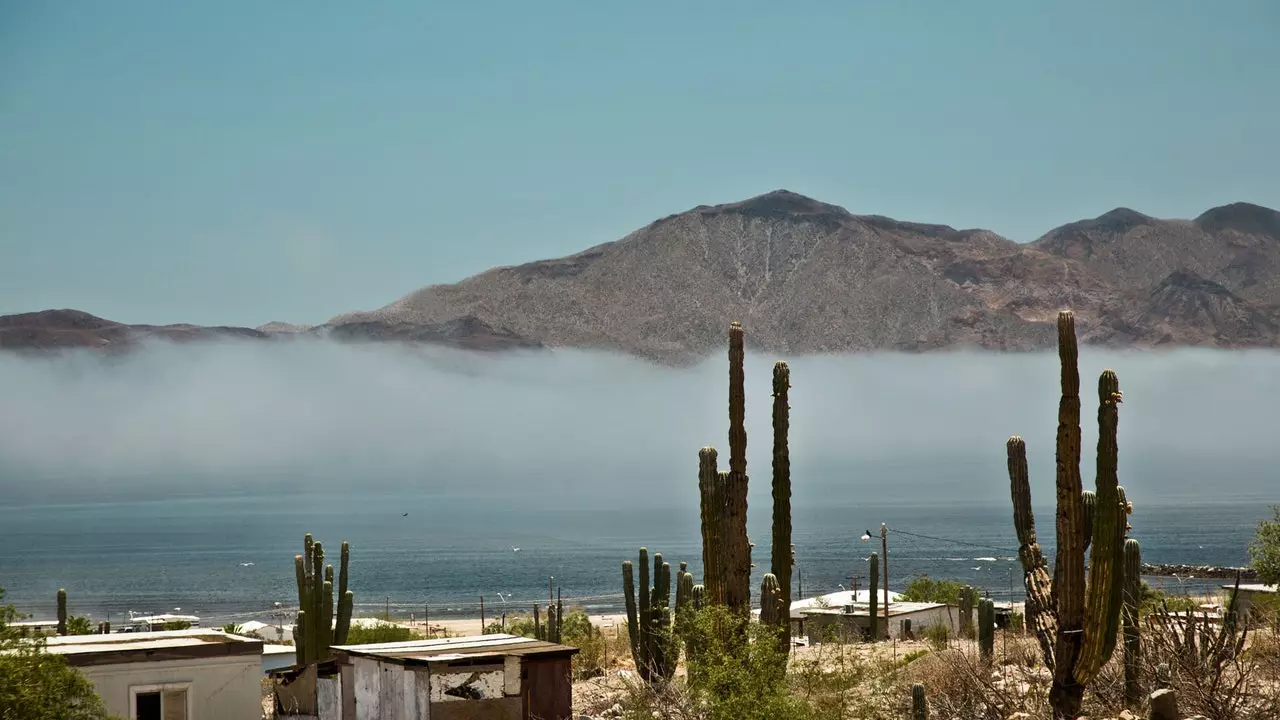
[1200, 571]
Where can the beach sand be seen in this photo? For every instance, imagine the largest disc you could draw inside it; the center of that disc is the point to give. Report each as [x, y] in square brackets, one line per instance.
[471, 626]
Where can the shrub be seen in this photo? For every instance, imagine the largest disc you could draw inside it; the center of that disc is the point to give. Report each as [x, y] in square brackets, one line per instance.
[1264, 551]
[926, 589]
[35, 685]
[938, 636]
[380, 633]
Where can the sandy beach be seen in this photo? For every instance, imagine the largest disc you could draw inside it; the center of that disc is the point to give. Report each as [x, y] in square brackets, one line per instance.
[472, 626]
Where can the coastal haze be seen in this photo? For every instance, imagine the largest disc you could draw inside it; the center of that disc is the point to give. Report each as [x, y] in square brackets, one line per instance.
[143, 481]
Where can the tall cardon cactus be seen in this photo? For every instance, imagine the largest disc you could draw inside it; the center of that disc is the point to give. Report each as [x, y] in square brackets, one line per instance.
[780, 549]
[1076, 622]
[649, 622]
[726, 549]
[320, 625]
[968, 596]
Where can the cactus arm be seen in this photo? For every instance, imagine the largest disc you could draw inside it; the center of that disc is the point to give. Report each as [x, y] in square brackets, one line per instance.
[326, 621]
[345, 605]
[1102, 615]
[780, 548]
[1132, 632]
[1089, 500]
[633, 626]
[342, 572]
[644, 613]
[1041, 615]
[770, 599]
[300, 639]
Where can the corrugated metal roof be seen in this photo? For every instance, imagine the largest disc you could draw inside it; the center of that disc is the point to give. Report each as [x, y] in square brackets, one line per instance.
[449, 649]
[74, 644]
[895, 609]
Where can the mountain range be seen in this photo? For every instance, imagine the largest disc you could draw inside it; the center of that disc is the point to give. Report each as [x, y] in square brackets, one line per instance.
[804, 277]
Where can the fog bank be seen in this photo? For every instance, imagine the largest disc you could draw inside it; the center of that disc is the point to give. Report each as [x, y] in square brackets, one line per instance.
[583, 429]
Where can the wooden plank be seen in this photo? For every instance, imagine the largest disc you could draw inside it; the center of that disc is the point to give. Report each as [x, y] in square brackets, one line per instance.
[547, 689]
[422, 691]
[367, 695]
[391, 691]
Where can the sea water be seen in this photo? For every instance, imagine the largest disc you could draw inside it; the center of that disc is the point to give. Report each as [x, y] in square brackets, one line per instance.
[231, 558]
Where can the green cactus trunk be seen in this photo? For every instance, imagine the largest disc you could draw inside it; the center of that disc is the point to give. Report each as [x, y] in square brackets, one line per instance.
[325, 636]
[538, 632]
[873, 630]
[919, 704]
[62, 612]
[299, 643]
[986, 629]
[780, 549]
[1132, 633]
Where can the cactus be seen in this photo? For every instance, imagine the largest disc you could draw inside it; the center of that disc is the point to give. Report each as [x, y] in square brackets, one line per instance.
[711, 491]
[322, 623]
[986, 629]
[649, 622]
[540, 634]
[919, 704]
[62, 612]
[781, 548]
[737, 594]
[967, 596]
[1132, 637]
[770, 600]
[1076, 622]
[873, 631]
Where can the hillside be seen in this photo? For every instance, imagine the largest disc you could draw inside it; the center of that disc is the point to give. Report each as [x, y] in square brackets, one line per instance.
[808, 277]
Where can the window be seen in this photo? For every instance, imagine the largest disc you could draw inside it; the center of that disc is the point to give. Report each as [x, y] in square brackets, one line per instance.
[160, 702]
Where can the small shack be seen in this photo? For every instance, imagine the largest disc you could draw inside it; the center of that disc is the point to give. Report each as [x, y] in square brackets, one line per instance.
[482, 677]
[195, 674]
[853, 621]
[1249, 593]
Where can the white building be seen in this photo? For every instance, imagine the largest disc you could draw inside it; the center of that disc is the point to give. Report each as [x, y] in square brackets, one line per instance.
[853, 621]
[195, 674]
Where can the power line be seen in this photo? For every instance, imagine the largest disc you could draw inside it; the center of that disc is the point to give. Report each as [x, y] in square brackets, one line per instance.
[952, 540]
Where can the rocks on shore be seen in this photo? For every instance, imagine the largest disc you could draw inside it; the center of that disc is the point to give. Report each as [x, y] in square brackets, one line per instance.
[1200, 571]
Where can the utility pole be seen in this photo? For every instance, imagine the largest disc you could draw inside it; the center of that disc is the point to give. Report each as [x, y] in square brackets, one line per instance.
[388, 613]
[884, 550]
[426, 619]
[481, 614]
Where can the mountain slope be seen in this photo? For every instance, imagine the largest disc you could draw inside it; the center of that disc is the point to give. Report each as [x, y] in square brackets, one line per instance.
[806, 277]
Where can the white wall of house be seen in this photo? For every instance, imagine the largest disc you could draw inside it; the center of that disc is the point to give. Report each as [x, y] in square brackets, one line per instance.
[942, 615]
[226, 688]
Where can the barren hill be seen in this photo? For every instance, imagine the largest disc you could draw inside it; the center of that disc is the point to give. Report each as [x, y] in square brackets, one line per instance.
[806, 276]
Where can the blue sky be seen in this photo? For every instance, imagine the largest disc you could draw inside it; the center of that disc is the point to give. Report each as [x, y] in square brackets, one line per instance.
[239, 162]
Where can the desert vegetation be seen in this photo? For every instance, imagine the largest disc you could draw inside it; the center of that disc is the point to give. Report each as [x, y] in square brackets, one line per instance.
[1093, 640]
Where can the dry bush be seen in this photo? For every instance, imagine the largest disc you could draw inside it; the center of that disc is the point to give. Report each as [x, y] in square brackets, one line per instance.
[960, 685]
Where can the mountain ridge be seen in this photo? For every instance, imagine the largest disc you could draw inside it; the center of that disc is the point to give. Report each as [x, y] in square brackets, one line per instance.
[811, 277]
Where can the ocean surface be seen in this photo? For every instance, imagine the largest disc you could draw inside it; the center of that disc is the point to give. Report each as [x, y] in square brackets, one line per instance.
[231, 558]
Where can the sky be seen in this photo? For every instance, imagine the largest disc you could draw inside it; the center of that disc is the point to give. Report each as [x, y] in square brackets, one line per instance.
[241, 162]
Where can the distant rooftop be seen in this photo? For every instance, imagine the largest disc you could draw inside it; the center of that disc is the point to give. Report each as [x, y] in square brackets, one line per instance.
[116, 648]
[1255, 588]
[863, 609]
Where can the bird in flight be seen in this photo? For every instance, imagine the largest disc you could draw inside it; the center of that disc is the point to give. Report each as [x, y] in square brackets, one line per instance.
[405, 515]
[515, 549]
